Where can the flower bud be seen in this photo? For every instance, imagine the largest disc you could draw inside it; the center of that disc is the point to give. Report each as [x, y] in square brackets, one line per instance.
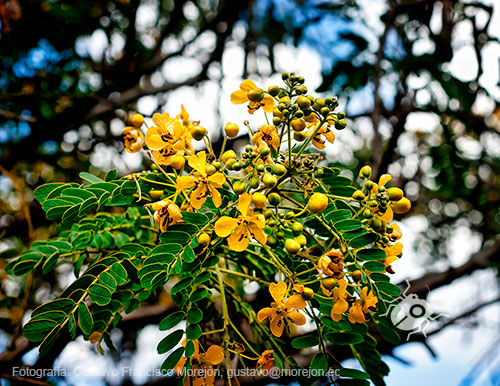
[210, 169]
[340, 124]
[317, 203]
[358, 195]
[239, 187]
[278, 169]
[292, 246]
[227, 155]
[357, 276]
[156, 194]
[329, 283]
[365, 172]
[298, 124]
[198, 132]
[274, 199]
[307, 294]
[259, 200]
[256, 95]
[269, 180]
[395, 194]
[303, 102]
[231, 129]
[137, 120]
[254, 182]
[177, 161]
[299, 136]
[273, 90]
[402, 206]
[204, 239]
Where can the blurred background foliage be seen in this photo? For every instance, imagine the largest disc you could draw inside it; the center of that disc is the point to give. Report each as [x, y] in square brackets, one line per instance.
[71, 72]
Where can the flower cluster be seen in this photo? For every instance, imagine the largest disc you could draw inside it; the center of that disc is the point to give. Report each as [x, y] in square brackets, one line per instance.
[277, 204]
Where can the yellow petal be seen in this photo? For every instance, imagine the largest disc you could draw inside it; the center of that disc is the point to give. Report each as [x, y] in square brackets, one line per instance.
[238, 241]
[296, 318]
[154, 140]
[217, 179]
[247, 85]
[239, 97]
[225, 225]
[162, 120]
[384, 179]
[184, 182]
[257, 233]
[216, 198]
[214, 355]
[199, 162]
[264, 313]
[277, 325]
[278, 291]
[199, 196]
[340, 306]
[180, 365]
[295, 301]
[356, 314]
[388, 215]
[268, 103]
[244, 203]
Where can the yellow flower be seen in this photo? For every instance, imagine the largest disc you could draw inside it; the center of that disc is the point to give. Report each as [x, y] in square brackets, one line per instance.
[396, 232]
[267, 134]
[331, 263]
[167, 138]
[166, 214]
[340, 304]
[242, 228]
[205, 184]
[362, 306]
[317, 141]
[266, 360]
[280, 312]
[201, 364]
[392, 254]
[242, 96]
[133, 138]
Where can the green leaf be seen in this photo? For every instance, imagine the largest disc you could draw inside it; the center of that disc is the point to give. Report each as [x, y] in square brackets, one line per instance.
[319, 363]
[371, 254]
[119, 273]
[70, 214]
[56, 212]
[72, 326]
[170, 341]
[100, 294]
[344, 338]
[85, 318]
[175, 237]
[188, 254]
[190, 349]
[374, 266]
[338, 215]
[180, 285]
[87, 205]
[194, 315]
[379, 277]
[43, 191]
[198, 295]
[55, 315]
[305, 341]
[388, 288]
[49, 341]
[353, 373]
[90, 178]
[202, 277]
[388, 331]
[111, 175]
[50, 263]
[193, 332]
[198, 219]
[348, 225]
[363, 241]
[82, 194]
[171, 320]
[354, 382]
[37, 330]
[108, 281]
[63, 305]
[172, 359]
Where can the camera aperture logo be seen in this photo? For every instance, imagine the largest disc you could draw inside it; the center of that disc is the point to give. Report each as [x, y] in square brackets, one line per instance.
[410, 313]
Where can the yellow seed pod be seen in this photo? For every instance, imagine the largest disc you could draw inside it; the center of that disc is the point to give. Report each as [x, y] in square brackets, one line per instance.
[156, 194]
[198, 132]
[137, 120]
[231, 129]
[395, 194]
[204, 239]
[365, 172]
[227, 155]
[317, 203]
[259, 200]
[177, 161]
[292, 246]
[298, 124]
[402, 206]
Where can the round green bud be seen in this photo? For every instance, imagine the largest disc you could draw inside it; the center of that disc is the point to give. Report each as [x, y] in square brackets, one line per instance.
[254, 182]
[210, 169]
[256, 95]
[301, 239]
[278, 169]
[299, 136]
[230, 163]
[303, 102]
[273, 90]
[238, 165]
[269, 180]
[268, 213]
[265, 151]
[340, 124]
[239, 187]
[285, 76]
[271, 240]
[395, 194]
[297, 227]
[274, 199]
[277, 121]
[324, 111]
[368, 213]
[365, 172]
[260, 168]
[358, 195]
[280, 235]
[292, 246]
